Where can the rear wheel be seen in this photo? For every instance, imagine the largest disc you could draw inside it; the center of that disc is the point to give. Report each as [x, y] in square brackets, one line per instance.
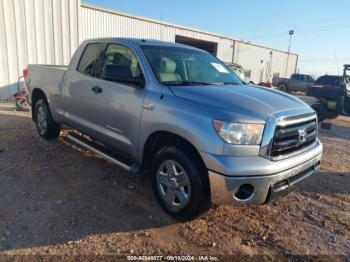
[283, 88]
[179, 183]
[47, 127]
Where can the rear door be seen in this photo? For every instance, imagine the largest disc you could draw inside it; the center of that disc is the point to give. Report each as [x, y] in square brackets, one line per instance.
[77, 89]
[305, 82]
[116, 111]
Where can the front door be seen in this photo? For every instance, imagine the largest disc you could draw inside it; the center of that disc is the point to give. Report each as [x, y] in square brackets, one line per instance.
[116, 111]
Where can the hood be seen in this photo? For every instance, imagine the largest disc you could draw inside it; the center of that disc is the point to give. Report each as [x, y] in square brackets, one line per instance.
[244, 100]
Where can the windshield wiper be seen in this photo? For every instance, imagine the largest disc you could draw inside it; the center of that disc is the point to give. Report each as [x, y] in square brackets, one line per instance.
[188, 83]
[229, 83]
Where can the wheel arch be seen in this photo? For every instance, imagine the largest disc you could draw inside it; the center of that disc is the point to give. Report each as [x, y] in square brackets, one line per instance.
[282, 83]
[159, 139]
[36, 94]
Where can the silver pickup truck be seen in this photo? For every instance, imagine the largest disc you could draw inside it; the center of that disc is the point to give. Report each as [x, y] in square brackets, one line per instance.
[183, 116]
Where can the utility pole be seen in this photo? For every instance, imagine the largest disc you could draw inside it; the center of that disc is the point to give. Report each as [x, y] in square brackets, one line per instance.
[269, 71]
[291, 33]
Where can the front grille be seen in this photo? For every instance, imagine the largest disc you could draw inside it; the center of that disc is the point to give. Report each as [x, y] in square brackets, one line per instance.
[291, 138]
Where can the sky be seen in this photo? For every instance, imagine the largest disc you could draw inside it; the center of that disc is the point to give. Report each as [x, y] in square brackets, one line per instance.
[321, 27]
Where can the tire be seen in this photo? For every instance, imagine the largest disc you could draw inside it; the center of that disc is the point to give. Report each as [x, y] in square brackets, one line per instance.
[182, 193]
[22, 105]
[47, 127]
[332, 115]
[321, 111]
[283, 88]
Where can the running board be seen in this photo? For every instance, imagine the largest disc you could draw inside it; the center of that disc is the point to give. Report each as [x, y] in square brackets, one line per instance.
[103, 152]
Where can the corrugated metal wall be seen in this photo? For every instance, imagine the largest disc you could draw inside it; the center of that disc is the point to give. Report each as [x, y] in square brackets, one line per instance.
[97, 22]
[49, 31]
[35, 31]
[264, 62]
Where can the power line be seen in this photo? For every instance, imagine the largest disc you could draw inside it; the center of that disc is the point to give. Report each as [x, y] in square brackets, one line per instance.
[305, 32]
[301, 25]
[324, 60]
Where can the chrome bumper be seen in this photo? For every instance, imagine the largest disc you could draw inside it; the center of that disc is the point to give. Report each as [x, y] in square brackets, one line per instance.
[227, 189]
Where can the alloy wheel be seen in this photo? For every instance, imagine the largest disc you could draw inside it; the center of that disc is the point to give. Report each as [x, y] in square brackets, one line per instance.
[41, 120]
[173, 184]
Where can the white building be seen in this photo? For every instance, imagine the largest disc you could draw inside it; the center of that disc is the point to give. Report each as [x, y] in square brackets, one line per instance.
[49, 31]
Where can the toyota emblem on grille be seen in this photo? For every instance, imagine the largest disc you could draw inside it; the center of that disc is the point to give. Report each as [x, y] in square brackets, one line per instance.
[302, 135]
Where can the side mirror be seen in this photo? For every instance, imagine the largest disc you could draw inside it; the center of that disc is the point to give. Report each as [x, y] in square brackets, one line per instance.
[122, 74]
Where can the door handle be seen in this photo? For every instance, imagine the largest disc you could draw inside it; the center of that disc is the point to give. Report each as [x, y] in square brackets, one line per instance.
[96, 89]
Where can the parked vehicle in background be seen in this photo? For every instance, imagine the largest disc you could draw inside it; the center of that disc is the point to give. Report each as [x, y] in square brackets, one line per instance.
[184, 116]
[239, 71]
[22, 95]
[297, 82]
[265, 84]
[327, 86]
[332, 94]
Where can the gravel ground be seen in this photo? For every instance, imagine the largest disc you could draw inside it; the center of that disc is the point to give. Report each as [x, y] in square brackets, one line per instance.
[60, 200]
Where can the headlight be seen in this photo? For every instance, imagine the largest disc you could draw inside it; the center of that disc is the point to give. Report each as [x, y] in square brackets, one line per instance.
[239, 133]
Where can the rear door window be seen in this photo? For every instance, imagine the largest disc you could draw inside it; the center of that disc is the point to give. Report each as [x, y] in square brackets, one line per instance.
[303, 78]
[89, 58]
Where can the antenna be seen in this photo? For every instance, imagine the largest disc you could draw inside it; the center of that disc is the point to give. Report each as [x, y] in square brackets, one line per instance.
[161, 52]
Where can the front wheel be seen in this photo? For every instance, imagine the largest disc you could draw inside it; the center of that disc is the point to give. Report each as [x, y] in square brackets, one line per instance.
[47, 127]
[179, 183]
[321, 111]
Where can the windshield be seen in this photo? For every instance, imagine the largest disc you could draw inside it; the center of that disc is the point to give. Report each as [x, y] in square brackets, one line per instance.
[183, 66]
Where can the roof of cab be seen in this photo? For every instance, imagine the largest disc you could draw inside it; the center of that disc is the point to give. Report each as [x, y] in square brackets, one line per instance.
[140, 42]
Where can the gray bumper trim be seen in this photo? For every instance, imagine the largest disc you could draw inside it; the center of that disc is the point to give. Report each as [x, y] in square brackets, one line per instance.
[223, 187]
[257, 165]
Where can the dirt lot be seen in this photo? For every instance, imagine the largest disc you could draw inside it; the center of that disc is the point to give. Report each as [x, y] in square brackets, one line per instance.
[56, 199]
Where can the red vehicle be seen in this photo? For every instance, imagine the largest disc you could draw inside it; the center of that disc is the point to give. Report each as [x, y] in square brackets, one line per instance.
[22, 95]
[265, 84]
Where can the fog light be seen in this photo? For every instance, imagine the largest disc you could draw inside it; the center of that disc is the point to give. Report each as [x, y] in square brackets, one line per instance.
[244, 192]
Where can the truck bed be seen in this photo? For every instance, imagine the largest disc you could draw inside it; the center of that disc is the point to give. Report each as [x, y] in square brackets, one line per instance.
[326, 92]
[48, 67]
[47, 77]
